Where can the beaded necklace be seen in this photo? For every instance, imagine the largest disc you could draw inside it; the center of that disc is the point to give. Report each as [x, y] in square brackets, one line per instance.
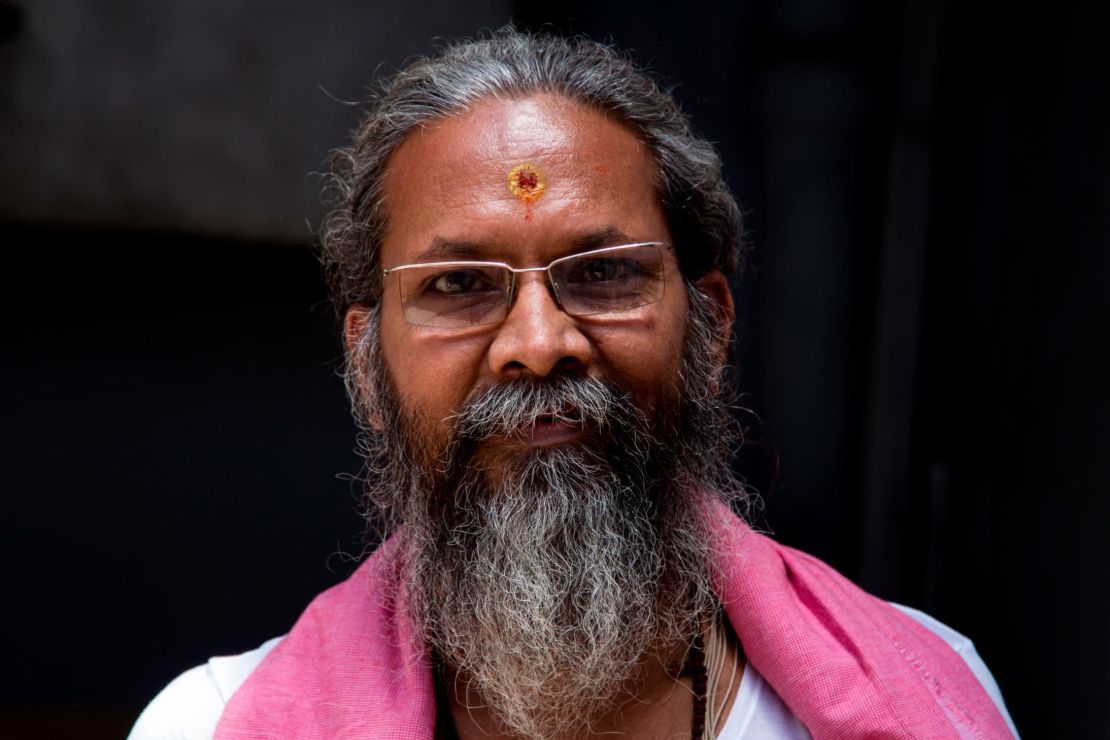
[704, 665]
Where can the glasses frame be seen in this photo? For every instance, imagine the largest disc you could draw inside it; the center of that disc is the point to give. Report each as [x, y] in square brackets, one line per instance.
[663, 246]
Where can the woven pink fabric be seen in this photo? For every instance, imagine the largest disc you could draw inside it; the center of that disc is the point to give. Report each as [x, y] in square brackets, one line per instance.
[349, 668]
[847, 664]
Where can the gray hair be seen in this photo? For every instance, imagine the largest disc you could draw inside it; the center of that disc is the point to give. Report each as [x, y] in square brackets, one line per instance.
[704, 219]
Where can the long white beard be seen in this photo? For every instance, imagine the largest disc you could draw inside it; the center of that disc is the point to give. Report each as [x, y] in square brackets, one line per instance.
[541, 579]
[551, 583]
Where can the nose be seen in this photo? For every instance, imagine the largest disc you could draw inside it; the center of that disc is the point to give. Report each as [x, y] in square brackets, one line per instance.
[537, 337]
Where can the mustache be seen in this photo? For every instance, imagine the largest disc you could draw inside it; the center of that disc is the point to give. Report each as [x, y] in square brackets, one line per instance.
[506, 409]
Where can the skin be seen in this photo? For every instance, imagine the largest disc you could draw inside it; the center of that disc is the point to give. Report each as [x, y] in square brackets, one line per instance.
[446, 184]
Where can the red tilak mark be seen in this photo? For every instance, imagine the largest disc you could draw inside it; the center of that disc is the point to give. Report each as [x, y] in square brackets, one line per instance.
[527, 180]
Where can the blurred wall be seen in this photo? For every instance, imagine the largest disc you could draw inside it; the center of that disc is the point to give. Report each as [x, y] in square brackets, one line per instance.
[209, 118]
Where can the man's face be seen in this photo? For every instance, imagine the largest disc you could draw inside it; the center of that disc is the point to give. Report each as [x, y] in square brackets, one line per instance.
[576, 542]
[448, 185]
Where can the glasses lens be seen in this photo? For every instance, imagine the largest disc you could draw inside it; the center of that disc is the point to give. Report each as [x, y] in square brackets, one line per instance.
[618, 279]
[454, 296]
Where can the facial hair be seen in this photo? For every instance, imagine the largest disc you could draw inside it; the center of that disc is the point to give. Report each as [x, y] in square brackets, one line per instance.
[542, 577]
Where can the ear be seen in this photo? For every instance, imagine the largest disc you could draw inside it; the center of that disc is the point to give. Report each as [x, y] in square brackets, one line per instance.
[715, 285]
[354, 329]
[354, 326]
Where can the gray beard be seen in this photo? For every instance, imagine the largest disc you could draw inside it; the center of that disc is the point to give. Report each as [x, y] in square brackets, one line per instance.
[541, 578]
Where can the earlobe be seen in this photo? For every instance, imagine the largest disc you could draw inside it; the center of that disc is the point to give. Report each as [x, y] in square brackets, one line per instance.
[715, 285]
[354, 327]
[354, 333]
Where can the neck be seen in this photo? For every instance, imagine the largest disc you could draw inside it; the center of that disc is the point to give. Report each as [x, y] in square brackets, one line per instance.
[660, 706]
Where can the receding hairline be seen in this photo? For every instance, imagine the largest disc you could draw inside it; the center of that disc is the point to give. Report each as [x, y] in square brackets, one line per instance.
[505, 64]
[559, 97]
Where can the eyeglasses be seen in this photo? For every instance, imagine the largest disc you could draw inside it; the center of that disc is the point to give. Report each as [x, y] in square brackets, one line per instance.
[456, 295]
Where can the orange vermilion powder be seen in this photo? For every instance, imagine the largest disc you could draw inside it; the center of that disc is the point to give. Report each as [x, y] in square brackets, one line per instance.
[526, 182]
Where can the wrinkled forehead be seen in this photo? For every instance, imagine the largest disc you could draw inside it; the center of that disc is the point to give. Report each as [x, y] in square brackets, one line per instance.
[510, 165]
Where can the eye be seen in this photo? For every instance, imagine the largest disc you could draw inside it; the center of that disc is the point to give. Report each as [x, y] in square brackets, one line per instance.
[604, 269]
[460, 282]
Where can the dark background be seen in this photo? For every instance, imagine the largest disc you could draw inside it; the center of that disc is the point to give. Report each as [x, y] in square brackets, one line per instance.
[922, 330]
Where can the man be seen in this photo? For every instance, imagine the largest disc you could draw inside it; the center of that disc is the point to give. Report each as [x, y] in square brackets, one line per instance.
[528, 252]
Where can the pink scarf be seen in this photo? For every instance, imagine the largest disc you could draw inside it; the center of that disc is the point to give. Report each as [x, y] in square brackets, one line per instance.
[847, 664]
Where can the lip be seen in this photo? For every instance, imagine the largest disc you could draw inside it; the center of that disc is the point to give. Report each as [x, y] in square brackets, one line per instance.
[547, 432]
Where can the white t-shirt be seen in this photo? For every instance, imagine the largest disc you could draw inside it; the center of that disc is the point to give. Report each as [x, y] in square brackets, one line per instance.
[190, 706]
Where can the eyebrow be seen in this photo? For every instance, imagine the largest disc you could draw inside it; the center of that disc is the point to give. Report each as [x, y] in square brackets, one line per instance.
[445, 249]
[607, 237]
[452, 249]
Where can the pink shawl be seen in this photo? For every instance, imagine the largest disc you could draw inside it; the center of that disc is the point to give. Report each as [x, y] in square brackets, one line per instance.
[847, 664]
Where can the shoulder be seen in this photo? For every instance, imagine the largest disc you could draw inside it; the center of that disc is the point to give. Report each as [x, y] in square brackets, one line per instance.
[190, 706]
[956, 640]
[966, 650]
[759, 712]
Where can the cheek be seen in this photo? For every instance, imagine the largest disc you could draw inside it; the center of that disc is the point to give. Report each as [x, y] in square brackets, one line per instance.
[642, 350]
[645, 362]
[433, 377]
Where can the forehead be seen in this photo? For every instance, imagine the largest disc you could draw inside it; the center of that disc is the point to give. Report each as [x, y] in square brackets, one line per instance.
[450, 182]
